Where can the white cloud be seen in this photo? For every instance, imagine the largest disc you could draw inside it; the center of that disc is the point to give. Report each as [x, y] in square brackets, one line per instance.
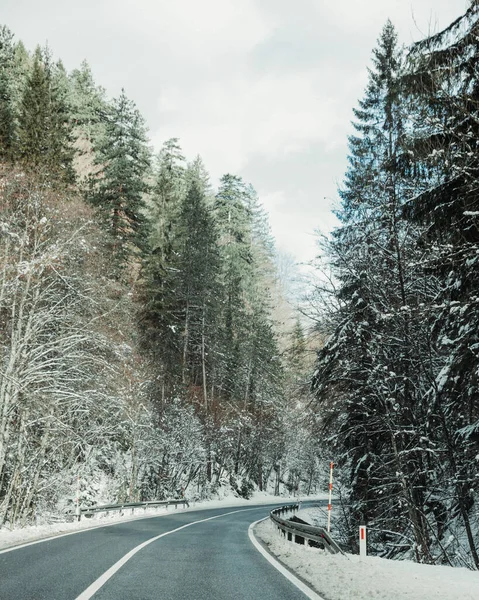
[263, 88]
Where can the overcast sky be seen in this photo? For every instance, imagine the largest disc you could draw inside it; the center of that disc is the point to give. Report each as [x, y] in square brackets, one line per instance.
[260, 88]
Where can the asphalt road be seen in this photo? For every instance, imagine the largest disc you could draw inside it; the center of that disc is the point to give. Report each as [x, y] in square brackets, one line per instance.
[209, 558]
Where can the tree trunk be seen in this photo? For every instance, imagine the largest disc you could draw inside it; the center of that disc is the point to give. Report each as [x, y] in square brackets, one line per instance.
[203, 362]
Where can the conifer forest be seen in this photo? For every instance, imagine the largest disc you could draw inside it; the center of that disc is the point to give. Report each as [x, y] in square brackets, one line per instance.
[149, 346]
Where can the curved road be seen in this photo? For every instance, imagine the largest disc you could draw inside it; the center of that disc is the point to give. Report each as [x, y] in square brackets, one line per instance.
[192, 555]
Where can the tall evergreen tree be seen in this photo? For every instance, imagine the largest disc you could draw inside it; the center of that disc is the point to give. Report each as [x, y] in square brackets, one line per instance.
[7, 109]
[196, 173]
[168, 191]
[199, 264]
[118, 189]
[161, 274]
[444, 94]
[372, 366]
[88, 104]
[44, 125]
[234, 223]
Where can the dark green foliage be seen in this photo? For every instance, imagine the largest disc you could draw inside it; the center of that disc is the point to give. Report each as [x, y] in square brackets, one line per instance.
[7, 113]
[234, 223]
[445, 94]
[199, 262]
[372, 365]
[182, 293]
[44, 125]
[206, 318]
[118, 189]
[397, 380]
[7, 130]
[34, 134]
[88, 104]
[364, 252]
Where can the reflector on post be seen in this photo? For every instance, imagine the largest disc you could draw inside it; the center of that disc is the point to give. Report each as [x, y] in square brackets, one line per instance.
[362, 540]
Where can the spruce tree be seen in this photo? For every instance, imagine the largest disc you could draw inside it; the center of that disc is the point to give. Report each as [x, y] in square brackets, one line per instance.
[233, 217]
[162, 316]
[88, 104]
[443, 89]
[44, 124]
[7, 114]
[197, 174]
[372, 366]
[167, 193]
[118, 189]
[199, 264]
[34, 116]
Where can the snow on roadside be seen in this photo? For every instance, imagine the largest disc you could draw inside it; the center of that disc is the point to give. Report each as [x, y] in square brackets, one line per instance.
[17, 536]
[33, 533]
[349, 577]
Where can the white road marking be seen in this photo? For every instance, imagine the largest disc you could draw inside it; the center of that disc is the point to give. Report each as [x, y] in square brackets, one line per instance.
[124, 520]
[85, 529]
[100, 582]
[309, 593]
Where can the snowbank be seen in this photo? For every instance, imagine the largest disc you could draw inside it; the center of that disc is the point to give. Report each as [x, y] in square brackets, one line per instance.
[349, 577]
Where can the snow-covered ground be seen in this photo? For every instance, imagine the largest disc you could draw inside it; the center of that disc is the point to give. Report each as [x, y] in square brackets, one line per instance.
[349, 577]
[32, 533]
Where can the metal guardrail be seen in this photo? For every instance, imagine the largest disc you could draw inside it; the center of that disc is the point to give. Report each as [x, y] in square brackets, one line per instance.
[303, 534]
[91, 510]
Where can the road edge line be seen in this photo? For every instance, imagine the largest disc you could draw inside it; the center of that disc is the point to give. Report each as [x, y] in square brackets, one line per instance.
[55, 536]
[61, 534]
[306, 589]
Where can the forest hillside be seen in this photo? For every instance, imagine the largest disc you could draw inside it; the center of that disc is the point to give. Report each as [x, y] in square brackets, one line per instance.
[140, 346]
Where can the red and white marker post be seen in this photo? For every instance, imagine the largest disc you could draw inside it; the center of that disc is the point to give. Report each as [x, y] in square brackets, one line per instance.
[331, 466]
[362, 541]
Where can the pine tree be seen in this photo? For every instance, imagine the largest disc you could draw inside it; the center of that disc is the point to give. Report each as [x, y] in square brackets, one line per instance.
[7, 116]
[181, 296]
[372, 366]
[118, 189]
[249, 375]
[44, 127]
[168, 191]
[197, 174]
[61, 139]
[22, 65]
[233, 217]
[444, 96]
[88, 104]
[35, 113]
[161, 273]
[199, 265]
